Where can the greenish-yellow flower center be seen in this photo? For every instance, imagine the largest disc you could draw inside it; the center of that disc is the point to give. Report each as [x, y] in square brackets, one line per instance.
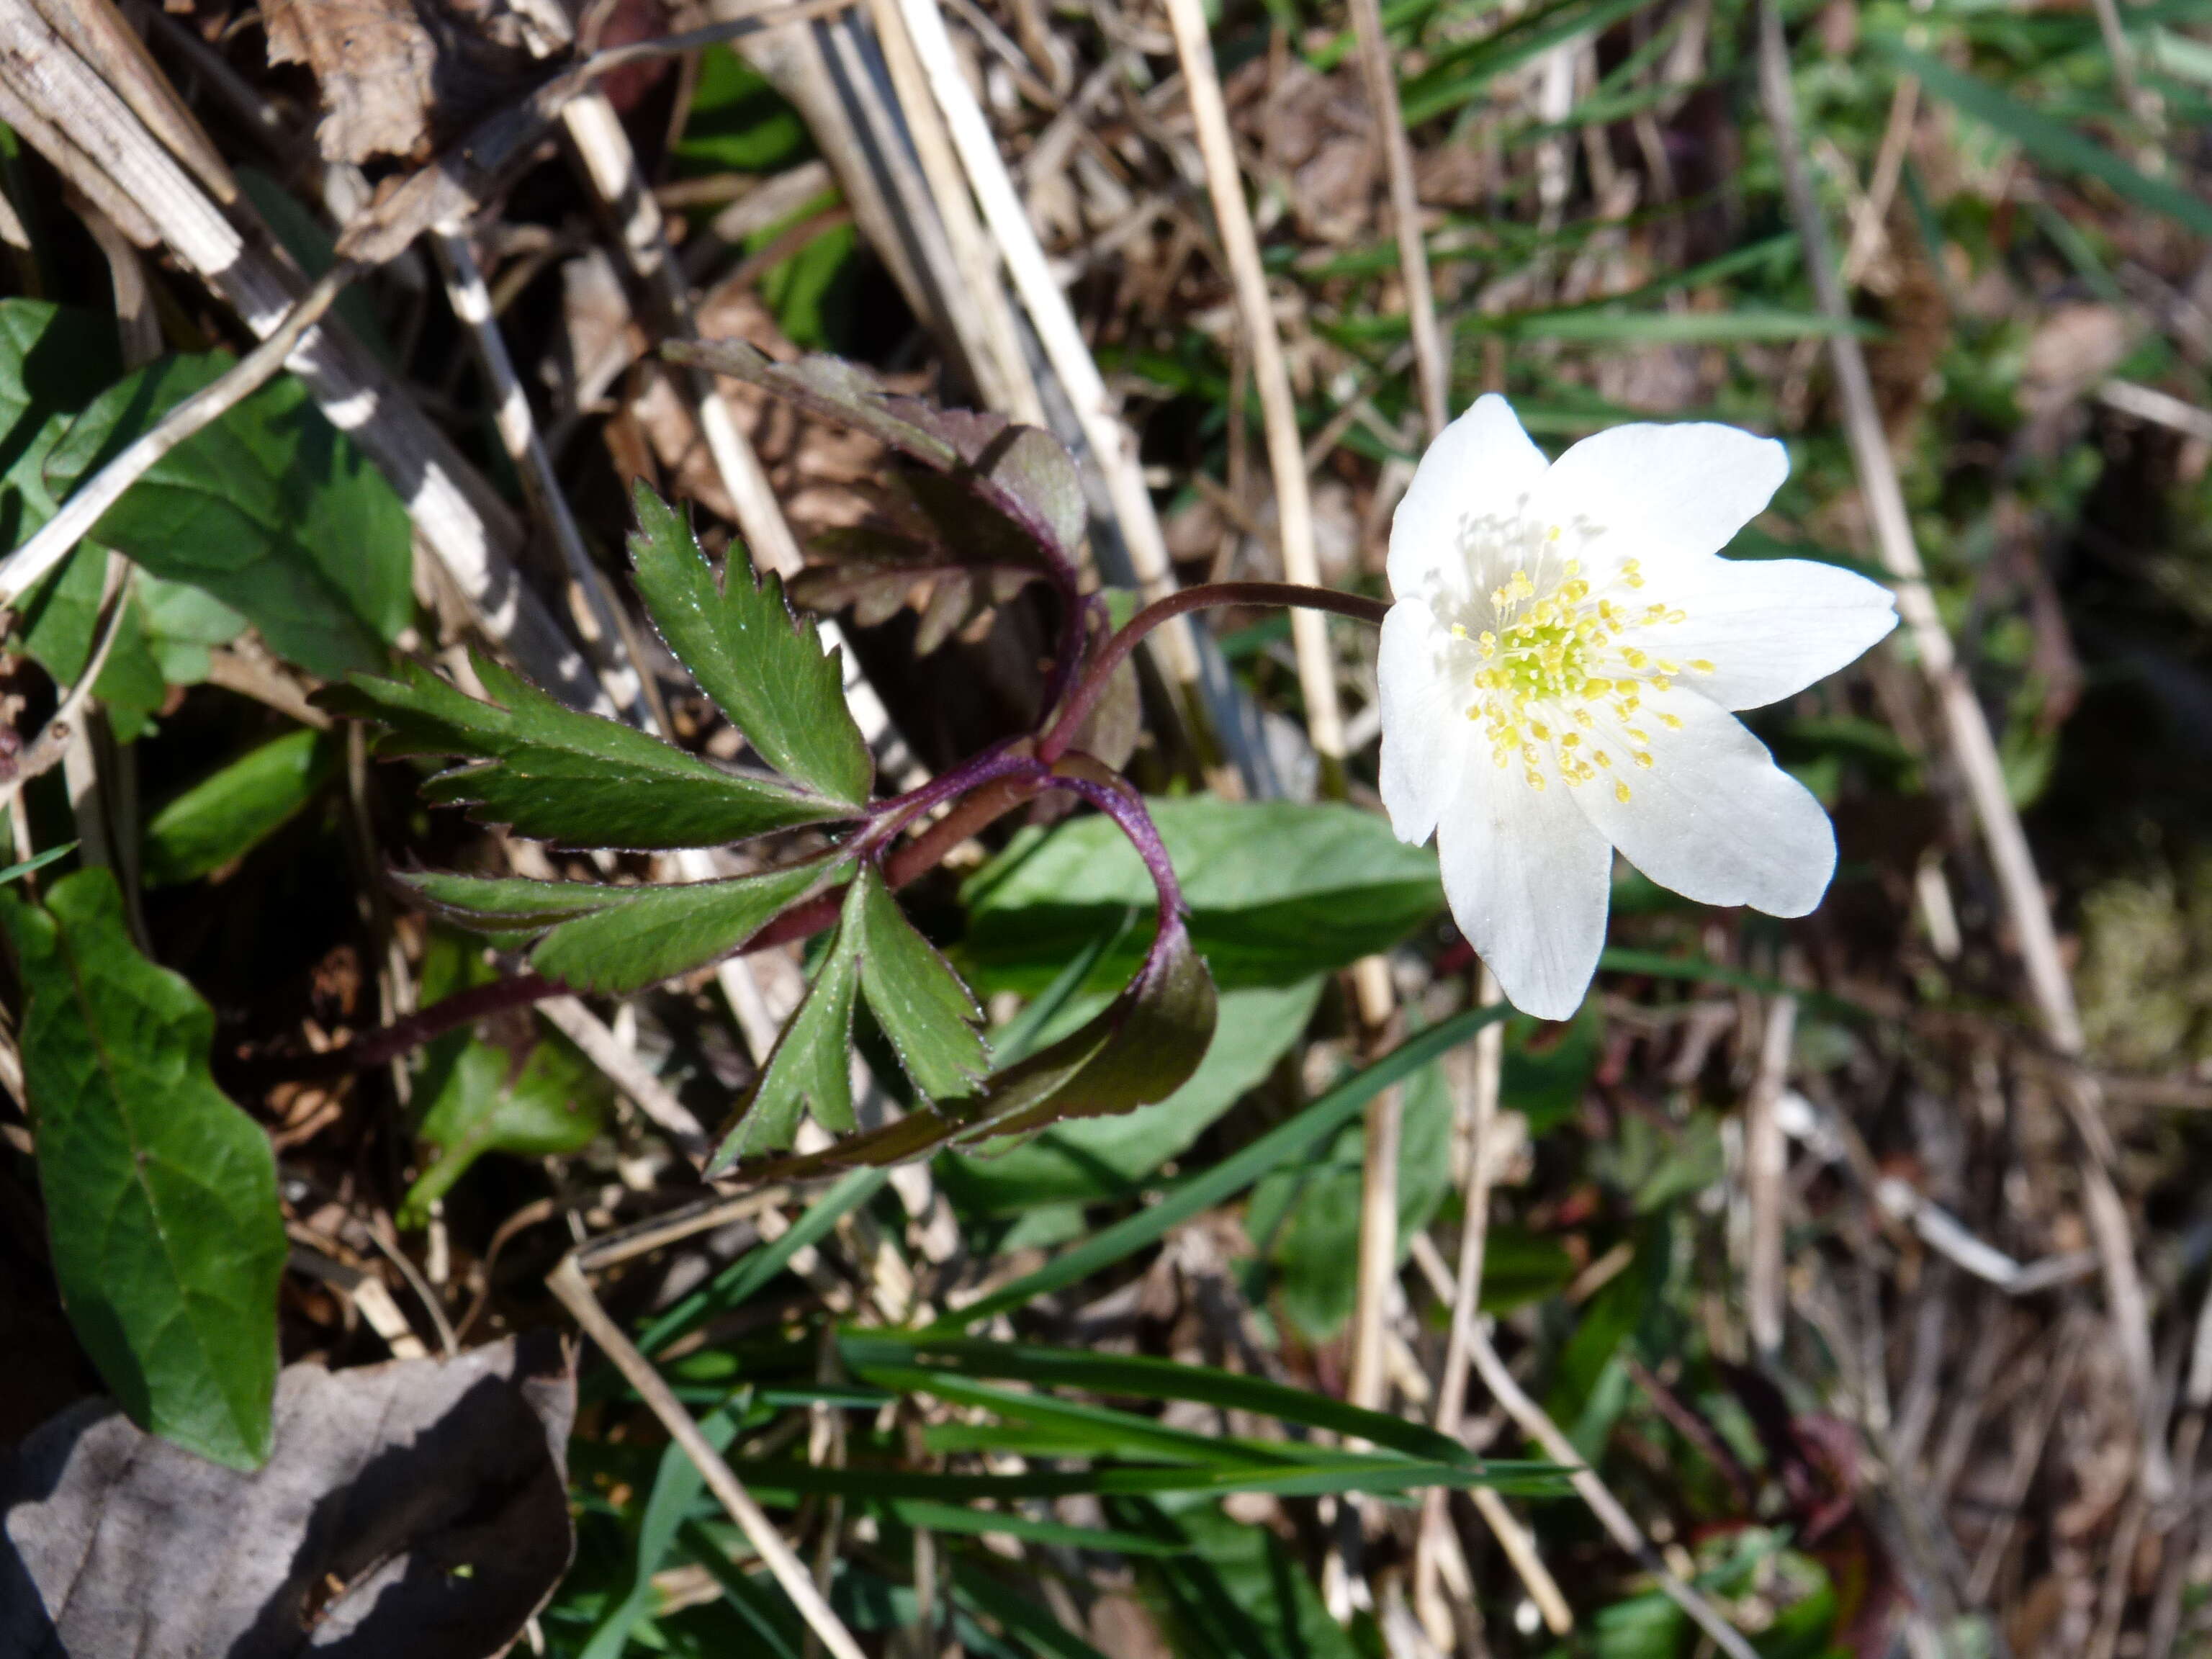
[1565, 664]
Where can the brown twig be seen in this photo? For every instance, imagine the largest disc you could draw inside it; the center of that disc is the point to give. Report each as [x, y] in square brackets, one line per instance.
[1973, 749]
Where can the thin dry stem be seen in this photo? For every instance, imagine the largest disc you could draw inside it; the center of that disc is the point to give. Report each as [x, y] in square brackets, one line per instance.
[1973, 751]
[1271, 375]
[566, 1282]
[621, 1067]
[1112, 446]
[1619, 1524]
[1431, 361]
[604, 633]
[1764, 1172]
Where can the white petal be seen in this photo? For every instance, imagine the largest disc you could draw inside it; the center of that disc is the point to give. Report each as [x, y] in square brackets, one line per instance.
[1714, 817]
[1426, 679]
[1769, 627]
[1660, 494]
[1482, 468]
[1529, 880]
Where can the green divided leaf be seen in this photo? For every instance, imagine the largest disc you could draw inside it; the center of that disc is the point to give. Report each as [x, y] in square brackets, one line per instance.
[223, 817]
[1276, 892]
[555, 774]
[160, 1194]
[917, 1000]
[476, 1097]
[270, 509]
[811, 1066]
[921, 1004]
[764, 669]
[1140, 1048]
[613, 940]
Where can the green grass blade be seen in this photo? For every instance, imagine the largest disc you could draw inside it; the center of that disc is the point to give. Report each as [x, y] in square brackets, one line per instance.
[926, 1516]
[2053, 143]
[1308, 1129]
[1016, 1616]
[743, 1279]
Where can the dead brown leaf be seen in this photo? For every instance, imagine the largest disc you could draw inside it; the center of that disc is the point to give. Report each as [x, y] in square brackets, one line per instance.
[416, 1508]
[402, 77]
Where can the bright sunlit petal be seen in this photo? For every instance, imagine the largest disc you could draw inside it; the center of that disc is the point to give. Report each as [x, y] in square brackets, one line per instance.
[1421, 673]
[1529, 879]
[1556, 672]
[1772, 627]
[1662, 493]
[1479, 471]
[1711, 816]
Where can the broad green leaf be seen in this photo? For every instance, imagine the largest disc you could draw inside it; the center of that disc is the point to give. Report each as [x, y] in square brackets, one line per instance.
[612, 940]
[1276, 892]
[54, 361]
[1646, 1626]
[270, 509]
[222, 816]
[160, 1194]
[764, 668]
[1087, 1160]
[921, 1003]
[162, 638]
[810, 1067]
[555, 774]
[475, 1097]
[2054, 144]
[738, 122]
[183, 625]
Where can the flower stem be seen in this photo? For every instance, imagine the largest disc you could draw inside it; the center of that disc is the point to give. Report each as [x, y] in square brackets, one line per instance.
[1092, 686]
[1129, 813]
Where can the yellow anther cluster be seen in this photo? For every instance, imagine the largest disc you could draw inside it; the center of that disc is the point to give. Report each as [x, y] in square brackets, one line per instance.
[1557, 652]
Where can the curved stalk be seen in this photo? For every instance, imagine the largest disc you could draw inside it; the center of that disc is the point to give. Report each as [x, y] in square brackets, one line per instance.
[1096, 677]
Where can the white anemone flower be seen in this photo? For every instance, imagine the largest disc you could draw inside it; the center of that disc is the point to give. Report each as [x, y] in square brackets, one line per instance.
[1556, 673]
